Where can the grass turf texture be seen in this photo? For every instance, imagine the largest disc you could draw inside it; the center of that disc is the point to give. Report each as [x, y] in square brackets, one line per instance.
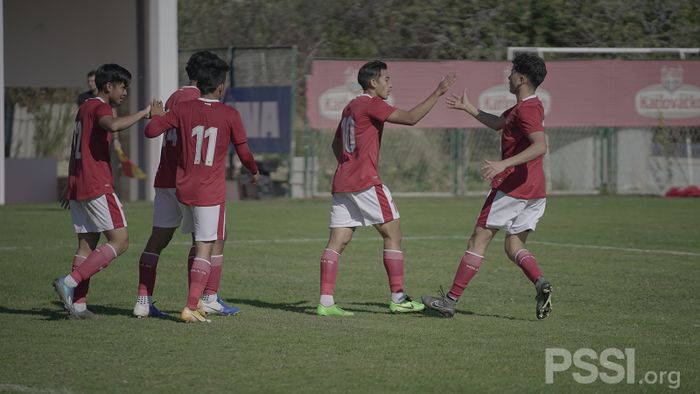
[603, 298]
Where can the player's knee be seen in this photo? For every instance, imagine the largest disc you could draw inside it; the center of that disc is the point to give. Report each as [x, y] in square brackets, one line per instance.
[120, 244]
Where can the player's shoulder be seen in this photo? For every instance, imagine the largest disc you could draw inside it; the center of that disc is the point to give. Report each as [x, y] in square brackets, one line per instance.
[185, 93]
[532, 102]
[94, 105]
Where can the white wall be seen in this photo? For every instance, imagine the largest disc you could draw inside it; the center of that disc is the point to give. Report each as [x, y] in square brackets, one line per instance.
[52, 43]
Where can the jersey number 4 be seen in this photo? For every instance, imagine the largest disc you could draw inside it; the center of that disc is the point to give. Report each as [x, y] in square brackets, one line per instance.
[200, 133]
[347, 127]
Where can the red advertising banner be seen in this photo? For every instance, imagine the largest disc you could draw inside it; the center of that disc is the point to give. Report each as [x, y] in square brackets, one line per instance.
[604, 93]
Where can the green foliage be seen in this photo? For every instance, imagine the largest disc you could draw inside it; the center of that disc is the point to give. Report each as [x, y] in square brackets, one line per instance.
[435, 29]
[53, 110]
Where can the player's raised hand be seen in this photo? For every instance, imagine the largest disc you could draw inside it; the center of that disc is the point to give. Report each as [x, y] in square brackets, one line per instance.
[459, 102]
[446, 82]
[255, 178]
[156, 108]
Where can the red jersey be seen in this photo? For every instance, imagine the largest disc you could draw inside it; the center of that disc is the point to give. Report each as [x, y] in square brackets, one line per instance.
[360, 131]
[205, 129]
[90, 171]
[524, 180]
[167, 167]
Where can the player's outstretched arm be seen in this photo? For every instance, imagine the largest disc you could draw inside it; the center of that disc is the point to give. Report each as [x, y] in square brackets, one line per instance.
[116, 124]
[159, 123]
[419, 111]
[462, 103]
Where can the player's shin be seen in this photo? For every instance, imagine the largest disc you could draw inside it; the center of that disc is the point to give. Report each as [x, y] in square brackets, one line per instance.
[468, 267]
[394, 265]
[212, 286]
[528, 264]
[80, 292]
[148, 264]
[329, 270]
[199, 274]
[95, 262]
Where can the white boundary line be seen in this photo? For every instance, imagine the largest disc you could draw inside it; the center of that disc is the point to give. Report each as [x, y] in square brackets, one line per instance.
[415, 238]
[20, 388]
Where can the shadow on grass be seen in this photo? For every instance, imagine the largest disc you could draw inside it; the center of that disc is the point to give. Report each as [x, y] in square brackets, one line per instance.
[303, 307]
[46, 313]
[432, 313]
[58, 313]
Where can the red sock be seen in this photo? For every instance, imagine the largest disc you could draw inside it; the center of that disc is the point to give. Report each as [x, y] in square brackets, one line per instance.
[198, 280]
[80, 292]
[527, 262]
[468, 267]
[98, 260]
[215, 275]
[147, 273]
[329, 270]
[393, 263]
[190, 260]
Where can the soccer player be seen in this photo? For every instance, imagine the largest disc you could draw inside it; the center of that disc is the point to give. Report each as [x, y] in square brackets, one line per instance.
[359, 196]
[94, 206]
[518, 196]
[205, 128]
[167, 215]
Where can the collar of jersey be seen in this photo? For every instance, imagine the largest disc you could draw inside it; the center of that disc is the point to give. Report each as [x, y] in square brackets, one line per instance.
[529, 97]
[206, 100]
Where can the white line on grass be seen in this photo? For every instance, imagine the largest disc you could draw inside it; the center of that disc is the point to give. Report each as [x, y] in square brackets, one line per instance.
[458, 237]
[414, 238]
[20, 388]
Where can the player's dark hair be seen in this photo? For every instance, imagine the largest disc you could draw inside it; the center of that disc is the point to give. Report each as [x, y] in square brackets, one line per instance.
[370, 71]
[211, 75]
[90, 73]
[113, 73]
[532, 67]
[197, 61]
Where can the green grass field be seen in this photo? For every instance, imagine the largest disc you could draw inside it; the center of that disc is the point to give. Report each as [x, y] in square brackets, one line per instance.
[625, 272]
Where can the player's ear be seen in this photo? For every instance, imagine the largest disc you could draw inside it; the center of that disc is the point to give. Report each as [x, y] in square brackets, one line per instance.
[373, 83]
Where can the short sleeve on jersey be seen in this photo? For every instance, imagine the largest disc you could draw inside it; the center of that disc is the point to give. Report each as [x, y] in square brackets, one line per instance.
[532, 118]
[102, 110]
[379, 109]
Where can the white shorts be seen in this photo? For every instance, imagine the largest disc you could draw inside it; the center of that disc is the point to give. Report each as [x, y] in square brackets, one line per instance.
[166, 209]
[364, 208]
[98, 214]
[514, 215]
[207, 223]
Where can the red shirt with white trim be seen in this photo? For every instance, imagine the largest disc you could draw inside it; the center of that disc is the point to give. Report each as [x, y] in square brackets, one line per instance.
[524, 180]
[89, 168]
[360, 131]
[167, 167]
[205, 129]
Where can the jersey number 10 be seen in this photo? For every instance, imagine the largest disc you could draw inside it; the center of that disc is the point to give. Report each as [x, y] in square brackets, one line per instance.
[200, 133]
[347, 126]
